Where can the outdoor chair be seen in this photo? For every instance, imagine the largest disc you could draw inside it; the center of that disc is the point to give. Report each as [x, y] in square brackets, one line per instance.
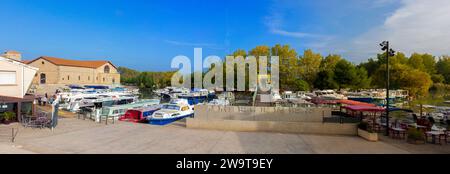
[397, 132]
[41, 121]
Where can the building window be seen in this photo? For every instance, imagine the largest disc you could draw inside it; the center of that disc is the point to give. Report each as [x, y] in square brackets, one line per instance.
[43, 79]
[43, 62]
[89, 77]
[106, 69]
[103, 79]
[79, 78]
[114, 80]
[96, 78]
[68, 77]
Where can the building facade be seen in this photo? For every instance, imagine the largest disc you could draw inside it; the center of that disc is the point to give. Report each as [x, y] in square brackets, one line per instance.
[15, 80]
[54, 70]
[12, 55]
[15, 77]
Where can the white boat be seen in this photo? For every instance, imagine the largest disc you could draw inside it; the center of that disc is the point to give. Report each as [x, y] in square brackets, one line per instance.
[329, 95]
[219, 102]
[303, 95]
[177, 109]
[171, 92]
[275, 95]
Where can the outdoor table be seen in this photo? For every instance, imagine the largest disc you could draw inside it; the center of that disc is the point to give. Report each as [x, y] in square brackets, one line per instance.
[398, 131]
[433, 135]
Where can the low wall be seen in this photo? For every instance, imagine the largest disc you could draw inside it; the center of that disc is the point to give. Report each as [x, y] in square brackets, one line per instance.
[249, 113]
[273, 126]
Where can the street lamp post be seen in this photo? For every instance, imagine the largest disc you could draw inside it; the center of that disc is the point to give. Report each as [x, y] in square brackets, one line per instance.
[389, 52]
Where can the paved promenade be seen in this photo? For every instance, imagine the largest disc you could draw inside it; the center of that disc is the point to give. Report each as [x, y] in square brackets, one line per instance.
[77, 136]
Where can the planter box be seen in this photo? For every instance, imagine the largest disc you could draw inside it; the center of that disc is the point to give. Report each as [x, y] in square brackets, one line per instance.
[415, 141]
[368, 136]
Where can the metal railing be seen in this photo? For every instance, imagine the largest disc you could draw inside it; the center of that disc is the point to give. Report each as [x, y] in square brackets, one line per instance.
[5, 134]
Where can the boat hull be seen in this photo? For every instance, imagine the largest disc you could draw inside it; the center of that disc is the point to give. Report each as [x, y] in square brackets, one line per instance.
[164, 121]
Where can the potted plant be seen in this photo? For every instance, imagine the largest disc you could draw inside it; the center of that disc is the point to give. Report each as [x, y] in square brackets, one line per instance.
[8, 117]
[366, 133]
[2, 117]
[415, 136]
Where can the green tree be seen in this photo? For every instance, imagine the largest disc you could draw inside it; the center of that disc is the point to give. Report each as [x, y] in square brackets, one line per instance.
[404, 77]
[288, 66]
[362, 81]
[330, 62]
[429, 62]
[345, 74]
[128, 75]
[309, 66]
[399, 58]
[260, 51]
[325, 80]
[443, 68]
[416, 62]
[371, 66]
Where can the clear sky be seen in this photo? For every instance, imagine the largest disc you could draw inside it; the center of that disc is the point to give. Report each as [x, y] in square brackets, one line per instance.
[147, 34]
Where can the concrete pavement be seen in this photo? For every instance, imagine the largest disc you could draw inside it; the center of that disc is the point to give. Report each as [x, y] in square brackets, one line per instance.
[77, 136]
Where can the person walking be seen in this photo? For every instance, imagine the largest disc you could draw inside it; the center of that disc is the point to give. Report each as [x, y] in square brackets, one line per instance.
[44, 100]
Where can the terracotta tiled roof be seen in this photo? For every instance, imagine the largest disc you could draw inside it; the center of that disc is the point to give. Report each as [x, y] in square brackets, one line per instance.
[25, 61]
[77, 63]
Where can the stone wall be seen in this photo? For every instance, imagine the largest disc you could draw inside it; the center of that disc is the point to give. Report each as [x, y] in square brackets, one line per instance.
[273, 126]
[261, 113]
[267, 119]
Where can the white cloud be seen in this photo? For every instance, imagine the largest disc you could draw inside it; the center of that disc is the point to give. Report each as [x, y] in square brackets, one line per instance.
[417, 26]
[275, 23]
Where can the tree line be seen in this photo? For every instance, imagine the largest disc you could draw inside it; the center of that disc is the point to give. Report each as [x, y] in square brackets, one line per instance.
[310, 70]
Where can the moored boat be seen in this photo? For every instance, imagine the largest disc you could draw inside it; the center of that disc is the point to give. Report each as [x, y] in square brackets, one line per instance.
[175, 110]
[139, 115]
[114, 112]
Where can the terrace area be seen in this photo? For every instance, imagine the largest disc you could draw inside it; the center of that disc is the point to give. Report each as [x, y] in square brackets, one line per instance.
[75, 136]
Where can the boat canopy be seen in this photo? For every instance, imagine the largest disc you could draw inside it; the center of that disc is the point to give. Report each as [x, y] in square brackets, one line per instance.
[96, 86]
[75, 87]
[400, 109]
[352, 102]
[361, 108]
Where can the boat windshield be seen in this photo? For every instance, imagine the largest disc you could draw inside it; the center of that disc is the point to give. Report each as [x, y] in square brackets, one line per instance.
[171, 107]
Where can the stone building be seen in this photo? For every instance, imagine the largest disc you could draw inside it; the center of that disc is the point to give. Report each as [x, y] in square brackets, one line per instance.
[12, 55]
[54, 70]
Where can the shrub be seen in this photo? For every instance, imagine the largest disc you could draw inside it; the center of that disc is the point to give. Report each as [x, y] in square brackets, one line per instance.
[415, 135]
[8, 116]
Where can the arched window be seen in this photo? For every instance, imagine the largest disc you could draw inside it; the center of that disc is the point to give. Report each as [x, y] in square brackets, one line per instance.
[106, 69]
[43, 78]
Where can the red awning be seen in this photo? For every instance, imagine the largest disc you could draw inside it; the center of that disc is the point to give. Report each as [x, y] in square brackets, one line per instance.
[352, 102]
[364, 108]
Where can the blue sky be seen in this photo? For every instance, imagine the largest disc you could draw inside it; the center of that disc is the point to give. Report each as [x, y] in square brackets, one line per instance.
[147, 34]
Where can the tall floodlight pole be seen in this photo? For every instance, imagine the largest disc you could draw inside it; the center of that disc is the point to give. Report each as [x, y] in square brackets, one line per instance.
[389, 52]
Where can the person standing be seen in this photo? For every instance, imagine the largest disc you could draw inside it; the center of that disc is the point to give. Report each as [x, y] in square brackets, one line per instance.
[44, 100]
[55, 108]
